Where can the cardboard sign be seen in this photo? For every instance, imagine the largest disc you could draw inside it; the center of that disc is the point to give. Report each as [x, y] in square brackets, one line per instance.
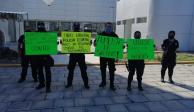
[76, 42]
[40, 43]
[109, 47]
[140, 49]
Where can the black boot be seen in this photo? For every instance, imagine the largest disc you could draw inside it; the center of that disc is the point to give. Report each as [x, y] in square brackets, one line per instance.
[129, 86]
[170, 73]
[40, 86]
[68, 85]
[21, 80]
[86, 86]
[140, 86]
[48, 89]
[103, 75]
[170, 80]
[162, 80]
[69, 82]
[102, 84]
[162, 76]
[112, 87]
[129, 82]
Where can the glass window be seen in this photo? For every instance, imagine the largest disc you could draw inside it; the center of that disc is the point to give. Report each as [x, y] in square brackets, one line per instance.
[53, 26]
[30, 24]
[100, 27]
[118, 22]
[87, 27]
[142, 20]
[65, 26]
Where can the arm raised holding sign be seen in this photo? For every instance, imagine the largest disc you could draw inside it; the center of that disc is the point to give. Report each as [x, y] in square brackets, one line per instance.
[77, 58]
[107, 34]
[44, 62]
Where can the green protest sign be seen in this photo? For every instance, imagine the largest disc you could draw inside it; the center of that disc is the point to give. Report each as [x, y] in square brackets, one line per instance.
[76, 42]
[140, 49]
[109, 47]
[40, 43]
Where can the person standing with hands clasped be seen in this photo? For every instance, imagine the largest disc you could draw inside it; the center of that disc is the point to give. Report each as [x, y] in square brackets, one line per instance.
[169, 47]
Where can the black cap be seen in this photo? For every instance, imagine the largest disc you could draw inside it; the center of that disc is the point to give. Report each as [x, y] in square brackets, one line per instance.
[76, 27]
[172, 32]
[137, 36]
[41, 25]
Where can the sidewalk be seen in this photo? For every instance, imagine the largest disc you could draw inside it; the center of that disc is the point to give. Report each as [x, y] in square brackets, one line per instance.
[156, 97]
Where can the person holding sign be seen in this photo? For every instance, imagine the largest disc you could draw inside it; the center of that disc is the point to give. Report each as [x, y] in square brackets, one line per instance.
[80, 59]
[44, 61]
[136, 66]
[25, 60]
[110, 61]
[169, 47]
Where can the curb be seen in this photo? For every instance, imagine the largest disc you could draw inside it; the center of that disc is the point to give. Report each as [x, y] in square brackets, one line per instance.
[97, 64]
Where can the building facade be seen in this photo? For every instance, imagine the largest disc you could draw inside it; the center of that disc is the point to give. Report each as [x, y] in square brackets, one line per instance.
[58, 15]
[155, 18]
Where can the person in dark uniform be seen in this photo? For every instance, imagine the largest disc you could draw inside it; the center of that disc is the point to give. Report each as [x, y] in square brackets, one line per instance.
[25, 60]
[136, 66]
[110, 61]
[44, 61]
[169, 47]
[80, 59]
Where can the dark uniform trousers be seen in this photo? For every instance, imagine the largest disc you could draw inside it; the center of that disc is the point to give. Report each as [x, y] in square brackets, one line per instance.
[112, 69]
[168, 63]
[41, 75]
[169, 57]
[25, 61]
[80, 59]
[41, 66]
[138, 67]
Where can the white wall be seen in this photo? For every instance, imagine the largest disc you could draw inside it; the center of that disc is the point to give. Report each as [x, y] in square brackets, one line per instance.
[72, 10]
[175, 15]
[64, 10]
[69, 10]
[127, 9]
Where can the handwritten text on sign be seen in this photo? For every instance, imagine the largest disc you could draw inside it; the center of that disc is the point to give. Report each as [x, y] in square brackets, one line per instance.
[140, 49]
[76, 42]
[109, 47]
[40, 43]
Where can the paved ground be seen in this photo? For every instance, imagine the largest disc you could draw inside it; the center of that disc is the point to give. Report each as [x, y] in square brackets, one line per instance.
[157, 97]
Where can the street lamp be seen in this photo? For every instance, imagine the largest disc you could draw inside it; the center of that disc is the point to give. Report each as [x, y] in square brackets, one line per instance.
[48, 2]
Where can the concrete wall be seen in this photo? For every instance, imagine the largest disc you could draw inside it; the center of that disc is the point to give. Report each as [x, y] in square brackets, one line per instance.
[127, 9]
[175, 15]
[97, 11]
[71, 10]
[163, 15]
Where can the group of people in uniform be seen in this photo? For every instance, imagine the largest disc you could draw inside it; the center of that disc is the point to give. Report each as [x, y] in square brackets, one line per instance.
[38, 62]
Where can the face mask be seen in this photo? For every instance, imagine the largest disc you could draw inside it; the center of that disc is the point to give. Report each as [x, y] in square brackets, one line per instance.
[171, 36]
[137, 36]
[41, 29]
[109, 29]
